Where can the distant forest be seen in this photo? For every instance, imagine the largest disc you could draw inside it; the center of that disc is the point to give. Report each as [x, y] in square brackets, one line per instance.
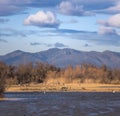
[44, 72]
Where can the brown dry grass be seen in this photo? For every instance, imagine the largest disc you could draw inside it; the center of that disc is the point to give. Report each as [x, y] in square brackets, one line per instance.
[61, 84]
[70, 87]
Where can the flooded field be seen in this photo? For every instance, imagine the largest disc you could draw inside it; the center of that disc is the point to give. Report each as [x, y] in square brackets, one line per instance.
[61, 104]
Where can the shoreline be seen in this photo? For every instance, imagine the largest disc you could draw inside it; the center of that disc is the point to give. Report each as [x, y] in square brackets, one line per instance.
[64, 88]
[46, 88]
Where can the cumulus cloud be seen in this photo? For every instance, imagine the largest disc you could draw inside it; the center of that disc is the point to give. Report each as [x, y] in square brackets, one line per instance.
[113, 9]
[42, 19]
[69, 8]
[113, 21]
[88, 7]
[106, 30]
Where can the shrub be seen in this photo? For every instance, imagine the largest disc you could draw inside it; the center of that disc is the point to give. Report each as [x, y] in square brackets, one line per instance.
[3, 73]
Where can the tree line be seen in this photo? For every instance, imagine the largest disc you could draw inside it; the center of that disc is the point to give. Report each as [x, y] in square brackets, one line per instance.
[44, 72]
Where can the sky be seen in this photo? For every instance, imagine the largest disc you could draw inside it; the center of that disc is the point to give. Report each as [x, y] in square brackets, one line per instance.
[37, 25]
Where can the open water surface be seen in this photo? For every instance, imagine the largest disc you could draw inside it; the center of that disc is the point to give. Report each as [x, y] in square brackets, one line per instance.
[61, 104]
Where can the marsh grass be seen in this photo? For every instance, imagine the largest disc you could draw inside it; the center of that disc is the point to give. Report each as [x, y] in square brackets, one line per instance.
[70, 87]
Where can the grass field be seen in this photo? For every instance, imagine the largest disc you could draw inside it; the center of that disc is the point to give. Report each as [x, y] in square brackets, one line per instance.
[70, 87]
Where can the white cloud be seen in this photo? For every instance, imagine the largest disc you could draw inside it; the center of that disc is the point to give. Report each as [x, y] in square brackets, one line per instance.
[70, 8]
[106, 30]
[113, 21]
[67, 7]
[42, 19]
[114, 9]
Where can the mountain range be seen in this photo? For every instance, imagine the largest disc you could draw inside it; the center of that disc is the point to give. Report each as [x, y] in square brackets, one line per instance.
[64, 57]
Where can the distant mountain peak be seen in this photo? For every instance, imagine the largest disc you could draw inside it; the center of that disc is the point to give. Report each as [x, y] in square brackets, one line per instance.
[64, 57]
[53, 49]
[108, 51]
[15, 52]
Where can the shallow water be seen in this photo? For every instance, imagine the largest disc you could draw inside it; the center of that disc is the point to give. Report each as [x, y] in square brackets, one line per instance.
[61, 104]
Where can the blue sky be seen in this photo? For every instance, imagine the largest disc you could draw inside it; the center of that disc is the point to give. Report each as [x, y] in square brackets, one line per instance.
[36, 25]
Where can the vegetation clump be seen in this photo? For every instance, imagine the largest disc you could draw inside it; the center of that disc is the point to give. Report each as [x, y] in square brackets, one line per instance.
[24, 74]
[3, 73]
